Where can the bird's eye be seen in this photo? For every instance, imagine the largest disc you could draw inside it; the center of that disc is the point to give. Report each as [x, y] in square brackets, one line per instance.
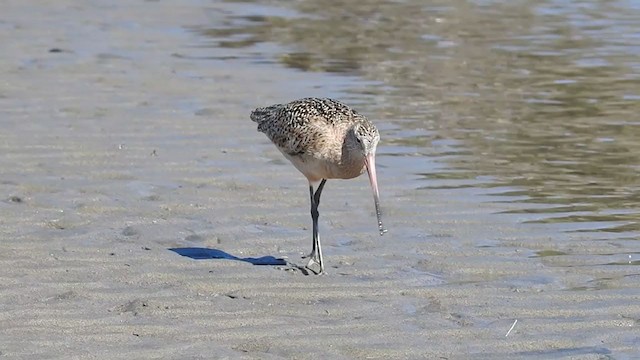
[358, 140]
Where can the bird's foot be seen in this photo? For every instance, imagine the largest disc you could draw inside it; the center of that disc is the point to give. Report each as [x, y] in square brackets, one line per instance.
[315, 265]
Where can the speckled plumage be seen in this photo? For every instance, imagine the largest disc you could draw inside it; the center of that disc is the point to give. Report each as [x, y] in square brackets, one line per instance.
[315, 129]
[324, 139]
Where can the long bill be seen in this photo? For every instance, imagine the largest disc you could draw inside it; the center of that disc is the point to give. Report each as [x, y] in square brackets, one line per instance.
[370, 163]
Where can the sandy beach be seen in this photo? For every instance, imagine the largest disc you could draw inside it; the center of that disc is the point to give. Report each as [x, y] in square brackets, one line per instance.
[138, 202]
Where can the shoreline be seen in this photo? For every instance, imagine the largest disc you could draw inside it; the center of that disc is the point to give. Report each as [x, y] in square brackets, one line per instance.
[129, 143]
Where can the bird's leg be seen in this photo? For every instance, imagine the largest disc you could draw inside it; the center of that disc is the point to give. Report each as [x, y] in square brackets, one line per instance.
[316, 251]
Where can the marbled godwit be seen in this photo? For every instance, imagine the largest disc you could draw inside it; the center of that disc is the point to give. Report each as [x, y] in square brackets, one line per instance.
[324, 139]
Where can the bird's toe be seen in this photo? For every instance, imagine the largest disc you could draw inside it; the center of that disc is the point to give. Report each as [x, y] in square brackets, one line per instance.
[315, 266]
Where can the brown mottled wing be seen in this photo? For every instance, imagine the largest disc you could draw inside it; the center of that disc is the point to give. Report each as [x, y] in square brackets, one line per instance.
[298, 126]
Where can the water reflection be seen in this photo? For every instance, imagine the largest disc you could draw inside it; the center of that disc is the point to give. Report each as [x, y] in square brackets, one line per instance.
[537, 96]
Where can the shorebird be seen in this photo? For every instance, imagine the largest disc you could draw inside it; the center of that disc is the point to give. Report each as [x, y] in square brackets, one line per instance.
[324, 139]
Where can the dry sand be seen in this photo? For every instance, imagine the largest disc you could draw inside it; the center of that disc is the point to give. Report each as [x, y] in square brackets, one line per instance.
[124, 136]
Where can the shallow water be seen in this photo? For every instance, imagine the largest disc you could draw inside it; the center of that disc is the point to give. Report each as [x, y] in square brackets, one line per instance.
[530, 104]
[130, 145]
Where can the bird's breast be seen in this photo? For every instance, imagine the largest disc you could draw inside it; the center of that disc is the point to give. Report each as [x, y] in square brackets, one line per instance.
[316, 168]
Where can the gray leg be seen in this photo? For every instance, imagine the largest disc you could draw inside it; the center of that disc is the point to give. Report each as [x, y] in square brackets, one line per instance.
[316, 251]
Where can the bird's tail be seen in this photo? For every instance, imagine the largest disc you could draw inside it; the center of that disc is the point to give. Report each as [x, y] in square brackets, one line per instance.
[264, 114]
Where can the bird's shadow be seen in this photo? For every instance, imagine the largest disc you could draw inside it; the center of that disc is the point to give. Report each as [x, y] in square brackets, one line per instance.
[198, 253]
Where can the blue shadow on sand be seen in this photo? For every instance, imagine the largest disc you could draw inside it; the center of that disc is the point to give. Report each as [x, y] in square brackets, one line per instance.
[198, 253]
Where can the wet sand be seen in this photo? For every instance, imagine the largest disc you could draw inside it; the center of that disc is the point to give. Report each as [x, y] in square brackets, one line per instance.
[126, 142]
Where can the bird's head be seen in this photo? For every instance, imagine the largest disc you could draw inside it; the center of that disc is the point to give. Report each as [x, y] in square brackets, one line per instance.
[365, 137]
